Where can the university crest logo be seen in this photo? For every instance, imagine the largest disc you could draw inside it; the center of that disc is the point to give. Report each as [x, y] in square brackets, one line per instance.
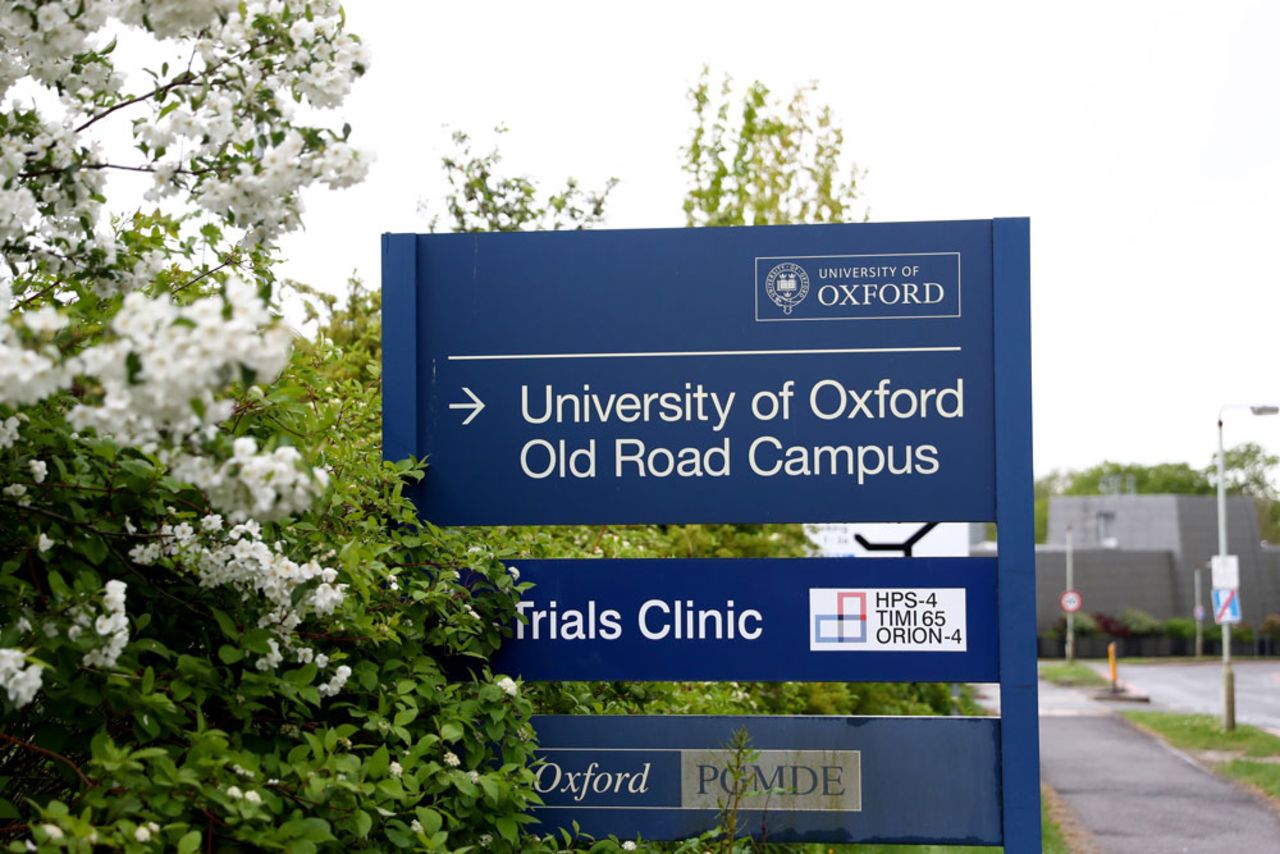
[787, 285]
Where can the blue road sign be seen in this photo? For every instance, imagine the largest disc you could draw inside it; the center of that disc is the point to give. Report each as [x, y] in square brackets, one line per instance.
[921, 780]
[819, 619]
[1226, 605]
[784, 374]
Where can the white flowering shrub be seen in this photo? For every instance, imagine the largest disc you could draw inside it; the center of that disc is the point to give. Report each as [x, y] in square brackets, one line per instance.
[221, 626]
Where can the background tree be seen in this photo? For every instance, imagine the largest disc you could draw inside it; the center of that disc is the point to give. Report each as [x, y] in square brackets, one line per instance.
[761, 161]
[1249, 470]
[480, 198]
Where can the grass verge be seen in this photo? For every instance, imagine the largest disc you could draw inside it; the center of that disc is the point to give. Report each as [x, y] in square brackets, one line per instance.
[1072, 675]
[1247, 754]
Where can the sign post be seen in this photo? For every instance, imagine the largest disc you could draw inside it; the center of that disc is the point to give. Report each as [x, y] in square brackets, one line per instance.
[817, 374]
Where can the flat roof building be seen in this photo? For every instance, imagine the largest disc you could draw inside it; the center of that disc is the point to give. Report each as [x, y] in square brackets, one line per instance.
[1141, 551]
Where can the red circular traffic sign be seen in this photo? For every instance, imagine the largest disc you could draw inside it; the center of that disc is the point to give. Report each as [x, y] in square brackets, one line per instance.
[1071, 601]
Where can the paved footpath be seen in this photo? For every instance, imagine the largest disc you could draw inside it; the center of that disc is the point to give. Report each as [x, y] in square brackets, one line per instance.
[1132, 793]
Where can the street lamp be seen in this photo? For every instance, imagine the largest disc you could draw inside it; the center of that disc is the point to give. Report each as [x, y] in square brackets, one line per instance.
[1228, 679]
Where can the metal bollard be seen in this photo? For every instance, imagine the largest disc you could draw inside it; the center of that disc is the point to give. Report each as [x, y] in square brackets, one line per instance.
[1111, 660]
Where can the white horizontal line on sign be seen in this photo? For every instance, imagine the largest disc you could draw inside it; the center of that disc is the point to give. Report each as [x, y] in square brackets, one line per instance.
[498, 357]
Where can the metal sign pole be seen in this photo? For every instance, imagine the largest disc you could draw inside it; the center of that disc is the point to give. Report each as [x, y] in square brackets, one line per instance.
[1071, 615]
[1015, 527]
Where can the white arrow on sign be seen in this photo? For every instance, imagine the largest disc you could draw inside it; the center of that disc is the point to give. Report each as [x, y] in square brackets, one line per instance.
[475, 406]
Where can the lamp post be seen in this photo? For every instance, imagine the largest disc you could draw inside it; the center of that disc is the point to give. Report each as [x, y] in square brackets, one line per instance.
[1228, 678]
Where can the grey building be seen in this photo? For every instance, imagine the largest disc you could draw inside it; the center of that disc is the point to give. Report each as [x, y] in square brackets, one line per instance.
[1141, 551]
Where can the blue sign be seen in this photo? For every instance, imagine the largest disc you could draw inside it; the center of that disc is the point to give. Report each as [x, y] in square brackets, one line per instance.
[1226, 605]
[820, 619]
[916, 780]
[785, 374]
[834, 373]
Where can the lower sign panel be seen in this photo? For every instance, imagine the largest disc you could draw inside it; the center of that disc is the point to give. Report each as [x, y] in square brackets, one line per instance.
[816, 620]
[808, 779]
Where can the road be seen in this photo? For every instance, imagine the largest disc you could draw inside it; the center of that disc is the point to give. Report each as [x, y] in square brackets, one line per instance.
[1130, 793]
[1198, 688]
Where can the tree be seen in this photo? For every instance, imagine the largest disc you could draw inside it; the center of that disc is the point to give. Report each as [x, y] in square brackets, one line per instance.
[768, 162]
[1248, 470]
[1161, 479]
[481, 199]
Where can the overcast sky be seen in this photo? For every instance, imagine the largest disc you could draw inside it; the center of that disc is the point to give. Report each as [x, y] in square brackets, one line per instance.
[1142, 139]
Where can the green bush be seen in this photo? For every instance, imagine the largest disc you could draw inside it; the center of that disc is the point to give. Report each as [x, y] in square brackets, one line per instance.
[1139, 623]
[1085, 625]
[1183, 628]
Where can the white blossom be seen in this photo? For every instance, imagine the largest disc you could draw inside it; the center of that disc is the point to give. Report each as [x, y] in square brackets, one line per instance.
[52, 831]
[19, 679]
[9, 432]
[112, 626]
[451, 759]
[44, 543]
[255, 485]
[252, 797]
[395, 769]
[165, 356]
[335, 683]
[508, 686]
[39, 470]
[273, 658]
[416, 826]
[44, 320]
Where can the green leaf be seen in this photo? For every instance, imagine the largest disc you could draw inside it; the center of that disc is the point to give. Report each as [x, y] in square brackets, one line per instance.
[151, 645]
[257, 640]
[451, 732]
[429, 819]
[189, 843]
[133, 365]
[300, 675]
[508, 828]
[227, 625]
[230, 654]
[377, 764]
